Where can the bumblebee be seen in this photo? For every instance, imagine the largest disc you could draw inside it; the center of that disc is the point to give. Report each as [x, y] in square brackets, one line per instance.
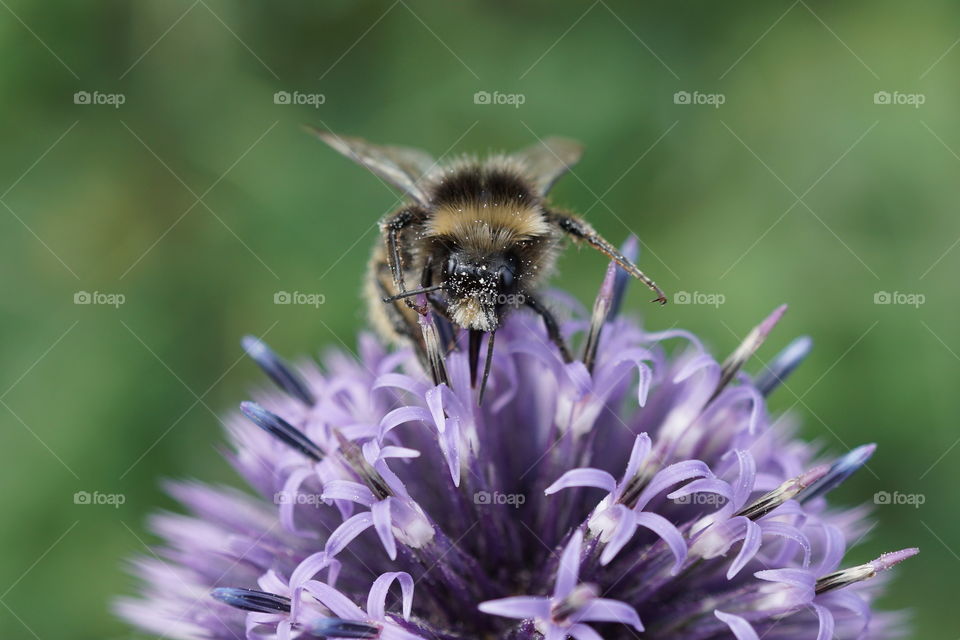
[475, 240]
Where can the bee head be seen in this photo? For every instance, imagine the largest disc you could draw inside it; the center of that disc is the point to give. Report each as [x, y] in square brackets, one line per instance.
[479, 288]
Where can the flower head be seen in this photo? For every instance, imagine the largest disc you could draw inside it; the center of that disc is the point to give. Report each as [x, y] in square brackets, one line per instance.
[641, 489]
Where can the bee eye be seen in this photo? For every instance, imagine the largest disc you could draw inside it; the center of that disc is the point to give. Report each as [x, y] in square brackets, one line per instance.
[452, 265]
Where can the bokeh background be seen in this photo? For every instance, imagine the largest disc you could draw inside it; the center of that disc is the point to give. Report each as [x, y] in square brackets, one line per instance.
[199, 198]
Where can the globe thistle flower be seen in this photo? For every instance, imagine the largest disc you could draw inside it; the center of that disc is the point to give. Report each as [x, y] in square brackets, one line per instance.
[641, 491]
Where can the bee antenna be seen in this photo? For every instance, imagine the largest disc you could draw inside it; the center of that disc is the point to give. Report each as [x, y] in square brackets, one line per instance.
[486, 367]
[415, 292]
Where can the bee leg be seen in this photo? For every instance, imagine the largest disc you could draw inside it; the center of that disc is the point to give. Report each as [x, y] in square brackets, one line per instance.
[488, 362]
[439, 304]
[474, 339]
[553, 327]
[447, 334]
[391, 228]
[401, 322]
[581, 230]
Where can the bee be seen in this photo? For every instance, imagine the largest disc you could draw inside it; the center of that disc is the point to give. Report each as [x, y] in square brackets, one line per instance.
[475, 239]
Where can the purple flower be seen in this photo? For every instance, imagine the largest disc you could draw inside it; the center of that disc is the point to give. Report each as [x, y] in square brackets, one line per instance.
[641, 489]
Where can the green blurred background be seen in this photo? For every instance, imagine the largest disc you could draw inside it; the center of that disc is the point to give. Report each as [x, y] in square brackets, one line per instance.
[199, 198]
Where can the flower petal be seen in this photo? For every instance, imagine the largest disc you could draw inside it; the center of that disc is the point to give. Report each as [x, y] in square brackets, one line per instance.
[671, 475]
[569, 568]
[348, 490]
[583, 632]
[623, 522]
[740, 627]
[585, 477]
[826, 622]
[289, 502]
[339, 604]
[403, 415]
[638, 455]
[668, 532]
[520, 607]
[377, 598]
[751, 544]
[347, 531]
[382, 524]
[607, 610]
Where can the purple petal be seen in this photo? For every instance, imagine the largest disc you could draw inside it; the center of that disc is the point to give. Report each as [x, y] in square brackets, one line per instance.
[400, 381]
[583, 632]
[740, 627]
[751, 544]
[671, 475]
[348, 490]
[638, 454]
[377, 598]
[624, 524]
[288, 501]
[851, 602]
[834, 547]
[669, 533]
[798, 578]
[788, 532]
[347, 531]
[403, 415]
[392, 451]
[583, 478]
[383, 526]
[521, 607]
[826, 622]
[339, 604]
[569, 568]
[606, 610]
[745, 478]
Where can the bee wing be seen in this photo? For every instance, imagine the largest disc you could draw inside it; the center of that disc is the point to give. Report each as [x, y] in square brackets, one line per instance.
[549, 159]
[402, 167]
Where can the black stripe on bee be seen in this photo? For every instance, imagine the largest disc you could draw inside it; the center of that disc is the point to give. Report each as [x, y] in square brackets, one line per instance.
[483, 185]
